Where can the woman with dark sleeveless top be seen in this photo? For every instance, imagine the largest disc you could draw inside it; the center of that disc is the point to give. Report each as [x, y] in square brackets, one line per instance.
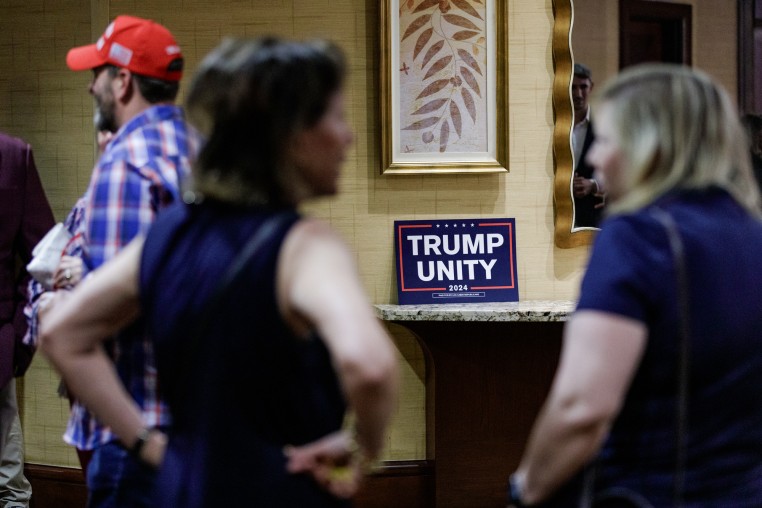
[258, 374]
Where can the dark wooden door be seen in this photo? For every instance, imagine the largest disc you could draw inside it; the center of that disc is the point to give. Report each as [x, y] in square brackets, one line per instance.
[654, 32]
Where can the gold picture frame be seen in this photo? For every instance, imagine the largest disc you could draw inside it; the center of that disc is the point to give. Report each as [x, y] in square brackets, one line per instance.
[444, 86]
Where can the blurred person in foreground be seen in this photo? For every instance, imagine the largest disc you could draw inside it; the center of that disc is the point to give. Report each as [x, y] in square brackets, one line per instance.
[667, 138]
[258, 403]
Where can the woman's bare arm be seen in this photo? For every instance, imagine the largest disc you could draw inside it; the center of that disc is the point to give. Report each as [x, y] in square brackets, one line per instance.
[74, 325]
[601, 353]
[319, 287]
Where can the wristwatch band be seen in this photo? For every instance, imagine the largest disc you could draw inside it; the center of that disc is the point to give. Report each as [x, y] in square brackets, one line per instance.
[514, 493]
[140, 441]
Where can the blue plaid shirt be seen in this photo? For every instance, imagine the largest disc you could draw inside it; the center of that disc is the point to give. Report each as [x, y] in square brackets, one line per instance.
[74, 223]
[139, 173]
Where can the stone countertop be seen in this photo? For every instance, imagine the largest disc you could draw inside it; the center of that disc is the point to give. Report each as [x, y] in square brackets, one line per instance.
[527, 311]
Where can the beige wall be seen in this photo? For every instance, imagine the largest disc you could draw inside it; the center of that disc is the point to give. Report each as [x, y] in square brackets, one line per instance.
[595, 38]
[42, 101]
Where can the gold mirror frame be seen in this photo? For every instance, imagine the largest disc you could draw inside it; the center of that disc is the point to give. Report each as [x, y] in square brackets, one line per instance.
[563, 207]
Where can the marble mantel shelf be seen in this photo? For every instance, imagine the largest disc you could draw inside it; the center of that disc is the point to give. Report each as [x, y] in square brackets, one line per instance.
[527, 311]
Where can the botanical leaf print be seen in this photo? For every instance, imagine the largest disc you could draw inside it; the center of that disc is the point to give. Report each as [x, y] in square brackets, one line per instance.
[445, 74]
[464, 35]
[454, 19]
[430, 106]
[479, 42]
[471, 80]
[426, 4]
[455, 116]
[406, 4]
[433, 50]
[444, 136]
[468, 100]
[422, 124]
[416, 25]
[438, 66]
[423, 39]
[433, 88]
[466, 7]
[469, 60]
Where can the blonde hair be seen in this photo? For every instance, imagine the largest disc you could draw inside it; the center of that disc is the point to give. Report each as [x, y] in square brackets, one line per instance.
[677, 129]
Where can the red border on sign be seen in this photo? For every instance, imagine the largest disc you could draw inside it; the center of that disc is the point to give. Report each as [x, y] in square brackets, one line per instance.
[510, 253]
[402, 269]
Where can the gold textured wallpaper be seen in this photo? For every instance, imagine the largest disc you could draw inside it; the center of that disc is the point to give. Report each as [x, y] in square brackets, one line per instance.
[48, 105]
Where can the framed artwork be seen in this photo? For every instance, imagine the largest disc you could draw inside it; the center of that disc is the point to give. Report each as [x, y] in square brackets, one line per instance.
[444, 86]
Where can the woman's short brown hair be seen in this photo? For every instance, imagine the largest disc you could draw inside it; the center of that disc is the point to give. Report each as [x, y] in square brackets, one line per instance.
[249, 97]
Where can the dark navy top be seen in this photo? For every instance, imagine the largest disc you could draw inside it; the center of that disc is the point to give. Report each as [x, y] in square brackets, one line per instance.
[249, 387]
[631, 273]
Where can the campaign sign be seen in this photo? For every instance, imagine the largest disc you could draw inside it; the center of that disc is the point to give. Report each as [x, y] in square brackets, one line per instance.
[456, 261]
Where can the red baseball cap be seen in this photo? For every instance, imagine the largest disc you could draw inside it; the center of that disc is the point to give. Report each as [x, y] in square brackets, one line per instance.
[140, 45]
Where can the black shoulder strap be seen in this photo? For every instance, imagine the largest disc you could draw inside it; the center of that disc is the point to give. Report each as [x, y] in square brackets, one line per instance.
[676, 246]
[683, 360]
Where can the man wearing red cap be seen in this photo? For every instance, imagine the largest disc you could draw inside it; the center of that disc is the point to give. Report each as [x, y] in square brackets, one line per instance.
[136, 67]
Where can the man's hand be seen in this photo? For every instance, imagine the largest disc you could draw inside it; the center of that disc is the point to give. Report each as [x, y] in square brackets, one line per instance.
[68, 273]
[602, 203]
[583, 186]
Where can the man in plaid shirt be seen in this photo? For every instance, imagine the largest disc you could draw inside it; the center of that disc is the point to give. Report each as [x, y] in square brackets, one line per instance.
[136, 68]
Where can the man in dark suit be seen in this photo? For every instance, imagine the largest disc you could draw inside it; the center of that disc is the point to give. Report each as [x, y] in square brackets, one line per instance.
[588, 196]
[25, 217]
[753, 125]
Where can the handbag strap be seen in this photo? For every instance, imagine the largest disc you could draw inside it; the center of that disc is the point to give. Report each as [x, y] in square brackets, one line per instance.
[683, 361]
[677, 250]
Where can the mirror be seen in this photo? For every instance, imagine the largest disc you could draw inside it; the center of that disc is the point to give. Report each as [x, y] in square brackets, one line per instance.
[583, 32]
[604, 36]
[566, 235]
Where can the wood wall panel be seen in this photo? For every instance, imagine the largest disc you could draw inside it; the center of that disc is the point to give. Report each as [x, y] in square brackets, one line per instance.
[56, 487]
[407, 484]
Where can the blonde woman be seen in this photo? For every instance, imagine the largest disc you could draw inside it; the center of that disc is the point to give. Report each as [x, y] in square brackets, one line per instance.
[259, 378]
[668, 142]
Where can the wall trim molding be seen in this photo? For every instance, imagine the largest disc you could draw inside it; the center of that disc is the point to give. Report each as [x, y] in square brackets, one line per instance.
[407, 483]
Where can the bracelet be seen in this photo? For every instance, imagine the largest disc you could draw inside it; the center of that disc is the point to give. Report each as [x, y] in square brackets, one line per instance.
[349, 426]
[514, 493]
[140, 441]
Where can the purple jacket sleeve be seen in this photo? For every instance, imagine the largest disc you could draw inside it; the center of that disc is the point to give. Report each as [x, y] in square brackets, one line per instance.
[36, 220]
